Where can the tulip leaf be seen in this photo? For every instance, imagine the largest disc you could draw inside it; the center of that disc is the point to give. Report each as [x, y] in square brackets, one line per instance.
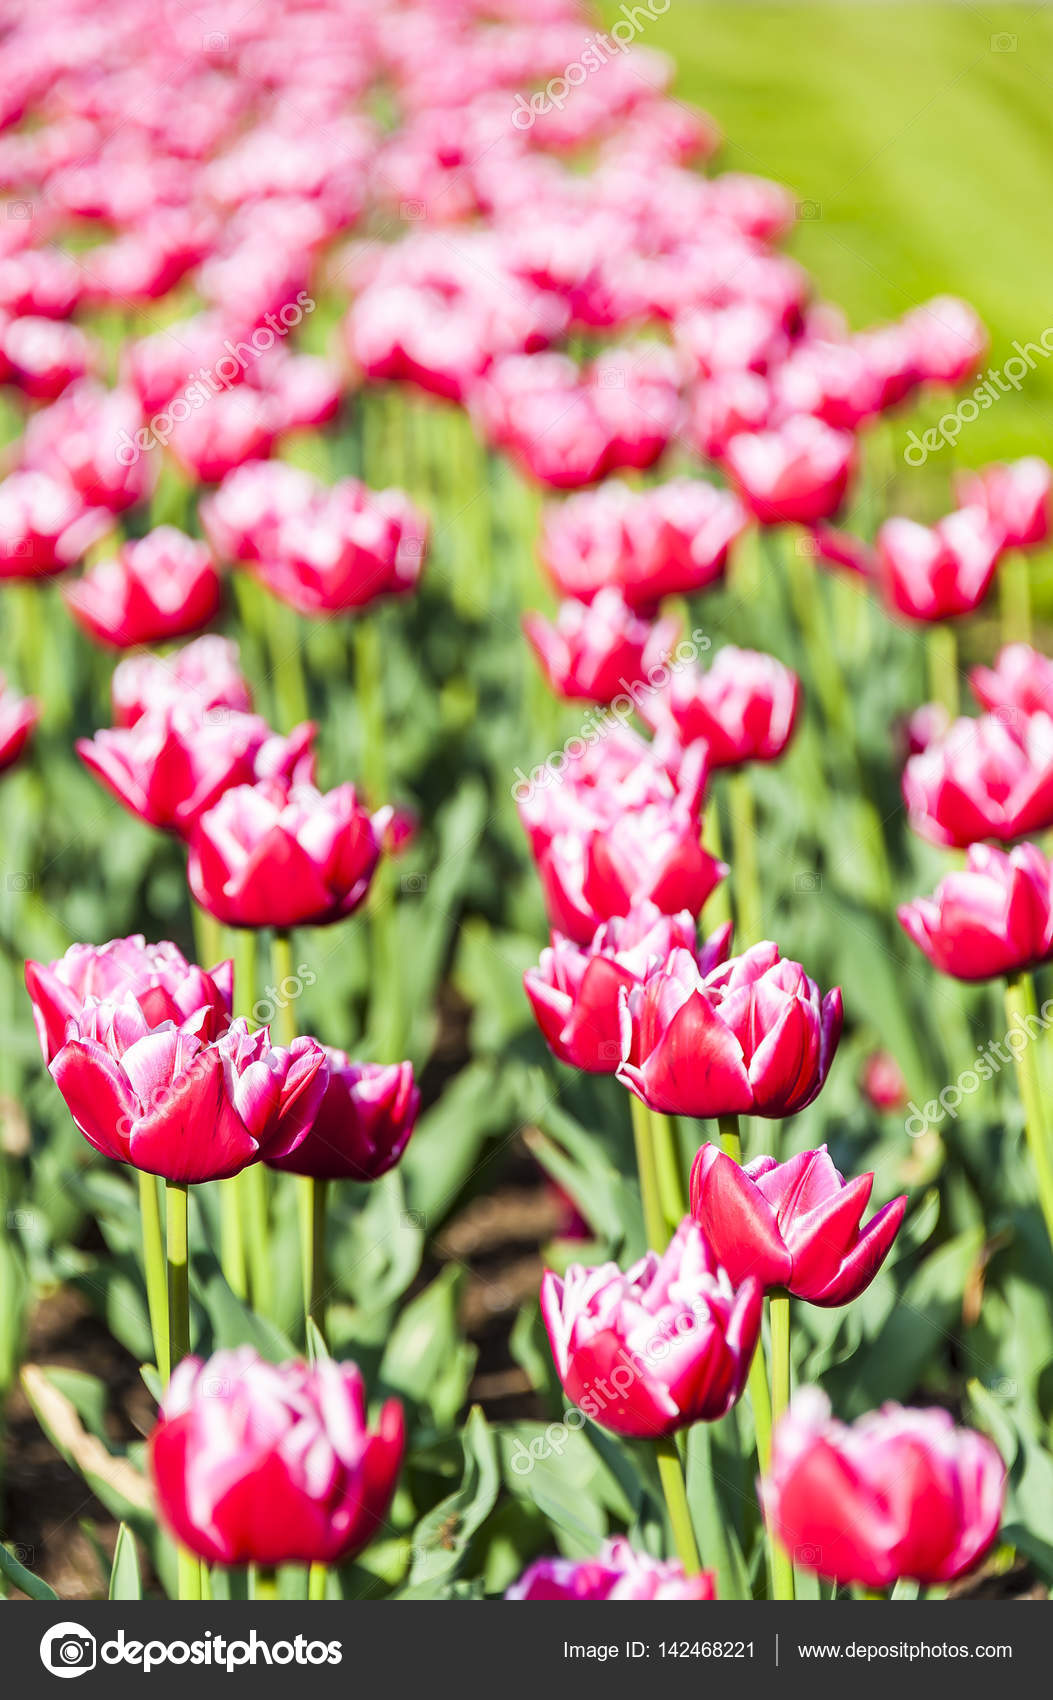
[233, 1323]
[15, 1572]
[442, 1538]
[714, 1519]
[125, 1581]
[426, 1357]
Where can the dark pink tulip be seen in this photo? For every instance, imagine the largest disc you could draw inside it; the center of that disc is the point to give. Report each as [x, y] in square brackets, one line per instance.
[87, 438]
[947, 339]
[752, 1036]
[18, 717]
[45, 525]
[158, 587]
[1019, 683]
[795, 473]
[177, 760]
[992, 917]
[604, 868]
[242, 518]
[727, 404]
[836, 548]
[596, 650]
[610, 777]
[281, 855]
[1015, 498]
[616, 1573]
[900, 1493]
[362, 1125]
[574, 992]
[348, 546]
[651, 1351]
[744, 707]
[794, 1226]
[206, 672]
[937, 572]
[927, 725]
[41, 282]
[983, 779]
[258, 1463]
[156, 977]
[175, 1103]
[881, 1082]
[832, 380]
[43, 356]
[231, 428]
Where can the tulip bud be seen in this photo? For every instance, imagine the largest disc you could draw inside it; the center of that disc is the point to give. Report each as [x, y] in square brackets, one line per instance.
[991, 918]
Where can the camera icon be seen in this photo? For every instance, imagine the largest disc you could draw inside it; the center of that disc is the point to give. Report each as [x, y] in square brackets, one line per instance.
[410, 548]
[612, 378]
[1003, 42]
[610, 1052]
[414, 882]
[20, 882]
[17, 1220]
[808, 209]
[808, 1556]
[413, 210]
[808, 882]
[217, 716]
[806, 545]
[414, 1219]
[215, 1387]
[215, 42]
[68, 1649]
[1004, 1388]
[20, 209]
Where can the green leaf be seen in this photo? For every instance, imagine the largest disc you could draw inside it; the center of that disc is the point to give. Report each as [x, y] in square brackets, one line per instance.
[21, 1578]
[426, 1357]
[125, 1581]
[441, 1539]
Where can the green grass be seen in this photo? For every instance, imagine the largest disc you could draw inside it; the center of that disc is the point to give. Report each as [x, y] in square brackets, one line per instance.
[925, 152]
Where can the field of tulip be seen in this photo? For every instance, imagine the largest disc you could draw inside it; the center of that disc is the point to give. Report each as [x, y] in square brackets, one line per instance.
[526, 765]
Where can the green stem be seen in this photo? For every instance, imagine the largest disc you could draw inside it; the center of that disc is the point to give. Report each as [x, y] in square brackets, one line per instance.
[779, 1317]
[386, 1019]
[154, 1270]
[208, 937]
[671, 1476]
[244, 1212]
[317, 1581]
[231, 1238]
[671, 1188]
[263, 1583]
[1014, 584]
[1020, 1007]
[941, 649]
[286, 654]
[178, 1272]
[744, 876]
[760, 1402]
[647, 1168]
[312, 1236]
[730, 1139]
[256, 1217]
[718, 904]
[284, 1024]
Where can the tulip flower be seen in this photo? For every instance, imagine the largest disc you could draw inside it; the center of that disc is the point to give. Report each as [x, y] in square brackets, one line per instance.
[595, 651]
[753, 1035]
[362, 1125]
[984, 779]
[156, 977]
[258, 1463]
[172, 1102]
[87, 439]
[205, 671]
[574, 992]
[43, 357]
[899, 1494]
[651, 1351]
[796, 473]
[616, 1573]
[1019, 683]
[937, 572]
[795, 1226]
[882, 1082]
[45, 525]
[993, 917]
[743, 707]
[1015, 499]
[281, 855]
[612, 776]
[947, 340]
[18, 717]
[232, 427]
[242, 517]
[726, 404]
[346, 548]
[176, 761]
[161, 586]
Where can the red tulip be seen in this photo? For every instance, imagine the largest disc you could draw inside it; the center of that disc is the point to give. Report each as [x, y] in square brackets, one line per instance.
[882, 1082]
[794, 1226]
[87, 438]
[232, 427]
[984, 779]
[44, 526]
[161, 586]
[595, 651]
[362, 1125]
[617, 1573]
[654, 1350]
[900, 1493]
[1019, 683]
[43, 357]
[726, 404]
[937, 572]
[175, 1103]
[206, 672]
[796, 473]
[744, 707]
[613, 775]
[258, 1463]
[344, 549]
[605, 867]
[281, 855]
[156, 977]
[947, 340]
[18, 717]
[993, 917]
[242, 518]
[176, 761]
[753, 1035]
[574, 993]
[832, 380]
[1015, 498]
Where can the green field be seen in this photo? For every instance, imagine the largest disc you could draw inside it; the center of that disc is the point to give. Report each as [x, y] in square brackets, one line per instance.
[919, 139]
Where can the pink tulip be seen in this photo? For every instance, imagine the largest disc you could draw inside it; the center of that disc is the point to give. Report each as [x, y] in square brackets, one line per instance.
[242, 517]
[937, 572]
[1015, 498]
[284, 855]
[257, 1463]
[899, 1494]
[796, 473]
[617, 1573]
[795, 1226]
[45, 525]
[18, 718]
[993, 917]
[175, 1103]
[744, 707]
[161, 586]
[947, 340]
[348, 546]
[882, 1082]
[156, 977]
[1019, 683]
[43, 357]
[362, 1125]
[752, 1036]
[596, 650]
[656, 1349]
[87, 438]
[984, 779]
[205, 671]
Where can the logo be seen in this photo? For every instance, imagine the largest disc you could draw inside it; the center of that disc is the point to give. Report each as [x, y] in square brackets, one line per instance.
[68, 1650]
